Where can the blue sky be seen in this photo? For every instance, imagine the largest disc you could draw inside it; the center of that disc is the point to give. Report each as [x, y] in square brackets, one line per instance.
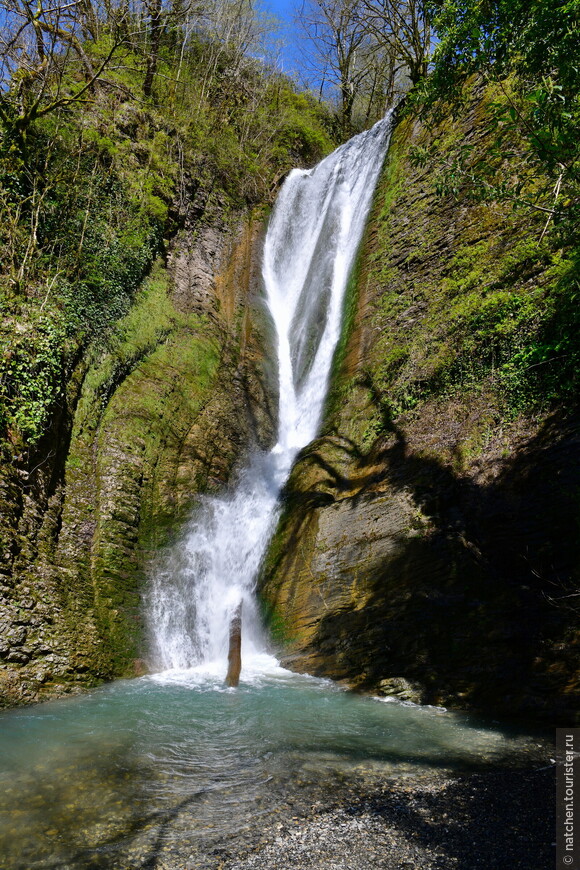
[284, 10]
[281, 8]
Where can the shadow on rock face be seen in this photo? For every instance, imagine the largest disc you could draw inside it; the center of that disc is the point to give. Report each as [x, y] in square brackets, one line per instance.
[393, 565]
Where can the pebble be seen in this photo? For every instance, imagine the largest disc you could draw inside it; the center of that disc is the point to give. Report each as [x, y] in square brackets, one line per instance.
[431, 820]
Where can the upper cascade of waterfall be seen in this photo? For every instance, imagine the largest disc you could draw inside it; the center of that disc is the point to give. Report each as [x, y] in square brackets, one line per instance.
[309, 250]
[312, 240]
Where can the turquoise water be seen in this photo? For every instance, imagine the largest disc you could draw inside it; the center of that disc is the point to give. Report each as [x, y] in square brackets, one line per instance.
[177, 764]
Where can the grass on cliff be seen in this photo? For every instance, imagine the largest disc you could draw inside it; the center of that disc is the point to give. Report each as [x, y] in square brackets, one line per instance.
[104, 184]
[471, 299]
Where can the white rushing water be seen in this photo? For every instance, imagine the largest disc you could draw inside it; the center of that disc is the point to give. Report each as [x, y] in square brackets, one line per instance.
[312, 238]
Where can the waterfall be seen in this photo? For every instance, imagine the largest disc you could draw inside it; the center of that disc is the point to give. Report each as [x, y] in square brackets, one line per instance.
[310, 246]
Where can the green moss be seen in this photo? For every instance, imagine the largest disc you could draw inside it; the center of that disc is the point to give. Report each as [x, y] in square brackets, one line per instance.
[477, 316]
[276, 624]
[149, 379]
[151, 318]
[393, 175]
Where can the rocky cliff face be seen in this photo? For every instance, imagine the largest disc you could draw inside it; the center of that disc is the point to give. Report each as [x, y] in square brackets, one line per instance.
[159, 411]
[428, 543]
[428, 546]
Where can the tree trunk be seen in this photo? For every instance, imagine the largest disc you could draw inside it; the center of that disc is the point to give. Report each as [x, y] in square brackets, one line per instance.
[235, 650]
[154, 42]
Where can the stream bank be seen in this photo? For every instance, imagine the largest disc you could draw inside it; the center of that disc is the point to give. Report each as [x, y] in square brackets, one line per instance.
[500, 819]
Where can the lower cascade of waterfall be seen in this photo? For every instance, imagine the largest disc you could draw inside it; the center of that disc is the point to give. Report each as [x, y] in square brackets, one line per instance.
[310, 246]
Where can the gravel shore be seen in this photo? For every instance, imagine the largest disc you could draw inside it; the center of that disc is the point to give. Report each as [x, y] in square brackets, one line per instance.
[493, 821]
[364, 817]
[500, 820]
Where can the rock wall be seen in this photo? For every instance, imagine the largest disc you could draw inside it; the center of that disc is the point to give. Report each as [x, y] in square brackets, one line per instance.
[428, 546]
[158, 411]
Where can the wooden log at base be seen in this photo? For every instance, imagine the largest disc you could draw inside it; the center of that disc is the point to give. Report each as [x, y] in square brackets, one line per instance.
[235, 649]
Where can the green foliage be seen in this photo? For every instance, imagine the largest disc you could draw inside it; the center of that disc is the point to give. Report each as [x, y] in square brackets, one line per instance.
[527, 342]
[522, 341]
[91, 196]
[498, 317]
[31, 370]
[528, 50]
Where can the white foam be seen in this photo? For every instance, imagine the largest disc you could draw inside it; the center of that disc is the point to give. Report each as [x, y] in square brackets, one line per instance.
[393, 699]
